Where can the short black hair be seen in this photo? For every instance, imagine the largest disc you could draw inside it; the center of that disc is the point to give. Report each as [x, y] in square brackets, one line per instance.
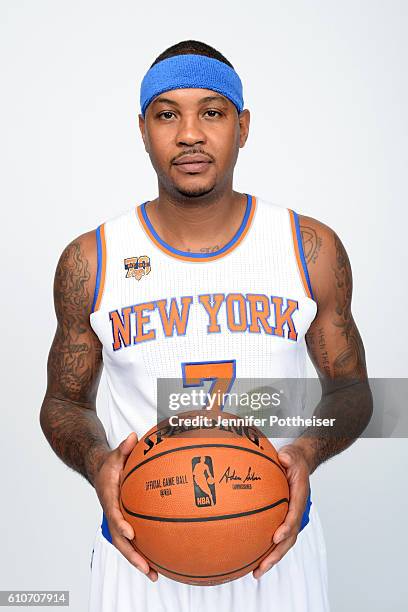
[193, 47]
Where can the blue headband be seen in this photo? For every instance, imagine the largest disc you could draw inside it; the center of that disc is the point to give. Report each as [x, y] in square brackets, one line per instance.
[191, 71]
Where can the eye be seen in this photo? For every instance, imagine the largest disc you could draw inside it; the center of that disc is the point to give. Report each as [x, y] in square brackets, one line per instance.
[166, 115]
[213, 113]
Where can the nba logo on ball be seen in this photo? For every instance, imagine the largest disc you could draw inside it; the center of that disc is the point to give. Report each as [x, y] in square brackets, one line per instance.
[203, 478]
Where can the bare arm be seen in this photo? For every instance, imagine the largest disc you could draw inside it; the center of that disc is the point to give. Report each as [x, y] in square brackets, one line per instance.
[68, 415]
[337, 351]
[335, 347]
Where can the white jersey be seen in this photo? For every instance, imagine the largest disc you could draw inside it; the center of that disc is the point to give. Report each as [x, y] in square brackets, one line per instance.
[239, 313]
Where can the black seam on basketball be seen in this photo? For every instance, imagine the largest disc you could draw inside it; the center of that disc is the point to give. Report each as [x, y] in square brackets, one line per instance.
[269, 549]
[175, 450]
[204, 519]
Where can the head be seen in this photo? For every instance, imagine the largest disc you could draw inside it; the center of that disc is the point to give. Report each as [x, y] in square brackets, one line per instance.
[192, 132]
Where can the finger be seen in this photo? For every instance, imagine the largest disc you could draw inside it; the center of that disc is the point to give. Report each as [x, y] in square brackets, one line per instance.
[127, 550]
[118, 524]
[153, 575]
[275, 556]
[285, 458]
[297, 504]
[127, 445]
[299, 490]
[290, 527]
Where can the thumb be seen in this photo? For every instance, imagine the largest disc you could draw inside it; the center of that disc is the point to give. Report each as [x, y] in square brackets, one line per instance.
[127, 445]
[285, 458]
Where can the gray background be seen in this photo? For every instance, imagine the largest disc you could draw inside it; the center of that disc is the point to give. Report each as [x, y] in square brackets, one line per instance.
[326, 84]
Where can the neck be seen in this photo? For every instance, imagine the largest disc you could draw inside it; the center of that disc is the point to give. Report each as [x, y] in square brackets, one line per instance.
[203, 224]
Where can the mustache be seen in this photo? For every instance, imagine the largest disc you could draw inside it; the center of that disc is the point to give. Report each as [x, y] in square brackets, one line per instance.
[193, 151]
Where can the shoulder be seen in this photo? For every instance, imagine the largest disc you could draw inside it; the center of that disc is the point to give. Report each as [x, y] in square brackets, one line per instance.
[326, 257]
[315, 235]
[75, 275]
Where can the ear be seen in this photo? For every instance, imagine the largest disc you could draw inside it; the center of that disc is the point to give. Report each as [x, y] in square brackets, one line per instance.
[244, 120]
[142, 128]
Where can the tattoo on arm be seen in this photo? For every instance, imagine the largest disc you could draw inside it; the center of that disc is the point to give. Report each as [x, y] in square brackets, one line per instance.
[324, 355]
[311, 243]
[68, 416]
[76, 435]
[75, 354]
[348, 360]
[337, 351]
[352, 357]
[351, 407]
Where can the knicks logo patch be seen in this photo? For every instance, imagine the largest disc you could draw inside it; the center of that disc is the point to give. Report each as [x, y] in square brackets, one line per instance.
[203, 478]
[136, 267]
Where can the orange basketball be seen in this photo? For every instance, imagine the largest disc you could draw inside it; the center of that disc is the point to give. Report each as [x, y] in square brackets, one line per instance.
[204, 502]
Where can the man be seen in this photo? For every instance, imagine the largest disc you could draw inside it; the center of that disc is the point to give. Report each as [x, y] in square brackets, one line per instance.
[253, 283]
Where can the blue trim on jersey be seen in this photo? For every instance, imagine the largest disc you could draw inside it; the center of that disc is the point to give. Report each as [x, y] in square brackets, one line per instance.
[99, 266]
[306, 514]
[200, 255]
[105, 529]
[305, 520]
[301, 252]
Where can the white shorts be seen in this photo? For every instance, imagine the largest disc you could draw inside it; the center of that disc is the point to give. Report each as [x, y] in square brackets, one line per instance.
[298, 583]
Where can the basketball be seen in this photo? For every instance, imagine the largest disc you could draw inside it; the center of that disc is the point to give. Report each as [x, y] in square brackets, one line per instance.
[204, 499]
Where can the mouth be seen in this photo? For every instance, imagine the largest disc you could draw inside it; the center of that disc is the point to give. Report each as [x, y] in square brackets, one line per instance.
[193, 168]
[192, 164]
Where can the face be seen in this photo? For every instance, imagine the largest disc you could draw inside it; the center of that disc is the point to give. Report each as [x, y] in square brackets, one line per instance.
[193, 137]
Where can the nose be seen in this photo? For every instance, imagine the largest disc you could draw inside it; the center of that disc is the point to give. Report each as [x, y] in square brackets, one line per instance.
[190, 132]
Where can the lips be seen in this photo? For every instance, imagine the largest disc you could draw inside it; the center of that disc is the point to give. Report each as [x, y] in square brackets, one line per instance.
[193, 163]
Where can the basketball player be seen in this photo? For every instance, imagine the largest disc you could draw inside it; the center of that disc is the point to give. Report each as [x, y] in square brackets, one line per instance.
[198, 274]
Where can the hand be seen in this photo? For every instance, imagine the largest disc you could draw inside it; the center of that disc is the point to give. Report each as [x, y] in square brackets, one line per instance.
[297, 472]
[107, 485]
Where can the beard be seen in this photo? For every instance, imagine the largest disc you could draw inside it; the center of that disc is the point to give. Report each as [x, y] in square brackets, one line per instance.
[184, 189]
[195, 192]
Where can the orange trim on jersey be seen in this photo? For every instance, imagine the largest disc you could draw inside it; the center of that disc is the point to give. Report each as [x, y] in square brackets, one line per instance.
[101, 267]
[298, 253]
[199, 257]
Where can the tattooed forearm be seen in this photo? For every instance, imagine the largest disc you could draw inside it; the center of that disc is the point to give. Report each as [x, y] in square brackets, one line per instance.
[68, 416]
[351, 407]
[75, 434]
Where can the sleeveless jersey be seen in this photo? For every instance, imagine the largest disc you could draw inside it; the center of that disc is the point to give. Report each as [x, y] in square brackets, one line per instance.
[241, 312]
